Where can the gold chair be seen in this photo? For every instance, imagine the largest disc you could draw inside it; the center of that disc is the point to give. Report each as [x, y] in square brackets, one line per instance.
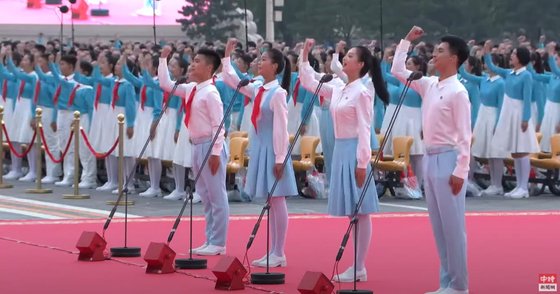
[401, 155]
[238, 134]
[237, 147]
[553, 162]
[308, 149]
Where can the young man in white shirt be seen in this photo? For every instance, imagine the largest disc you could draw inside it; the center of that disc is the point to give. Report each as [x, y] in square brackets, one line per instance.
[447, 138]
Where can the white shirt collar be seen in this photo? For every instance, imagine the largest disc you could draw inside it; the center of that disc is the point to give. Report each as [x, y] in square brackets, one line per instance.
[271, 84]
[70, 77]
[203, 84]
[519, 71]
[493, 78]
[448, 80]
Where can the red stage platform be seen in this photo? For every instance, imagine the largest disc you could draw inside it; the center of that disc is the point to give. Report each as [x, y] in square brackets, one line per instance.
[506, 253]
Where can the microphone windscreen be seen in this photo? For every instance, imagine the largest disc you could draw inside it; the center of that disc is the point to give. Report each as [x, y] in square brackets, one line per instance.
[244, 82]
[415, 76]
[181, 81]
[326, 78]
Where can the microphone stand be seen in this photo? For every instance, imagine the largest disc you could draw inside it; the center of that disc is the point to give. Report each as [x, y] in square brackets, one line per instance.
[154, 20]
[354, 220]
[132, 251]
[191, 263]
[269, 278]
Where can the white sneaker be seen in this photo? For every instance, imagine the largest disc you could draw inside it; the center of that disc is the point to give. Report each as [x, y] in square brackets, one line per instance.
[473, 188]
[212, 250]
[438, 291]
[195, 250]
[348, 276]
[49, 180]
[66, 182]
[493, 191]
[175, 196]
[196, 198]
[12, 175]
[508, 194]
[131, 190]
[106, 187]
[29, 177]
[87, 185]
[273, 261]
[519, 194]
[256, 261]
[150, 193]
[453, 291]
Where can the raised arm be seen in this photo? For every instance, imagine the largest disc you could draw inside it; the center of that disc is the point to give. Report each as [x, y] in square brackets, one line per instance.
[165, 81]
[97, 77]
[28, 78]
[134, 80]
[230, 76]
[45, 78]
[470, 77]
[307, 74]
[399, 62]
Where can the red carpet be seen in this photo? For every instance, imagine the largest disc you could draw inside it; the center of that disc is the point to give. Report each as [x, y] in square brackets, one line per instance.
[506, 254]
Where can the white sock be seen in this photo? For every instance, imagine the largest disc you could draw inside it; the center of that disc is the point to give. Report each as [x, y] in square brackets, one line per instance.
[16, 161]
[364, 240]
[112, 167]
[179, 175]
[32, 159]
[496, 171]
[525, 164]
[280, 216]
[154, 168]
[128, 166]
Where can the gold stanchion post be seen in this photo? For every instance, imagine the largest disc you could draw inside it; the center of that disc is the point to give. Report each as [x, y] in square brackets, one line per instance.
[2, 185]
[76, 130]
[38, 127]
[126, 202]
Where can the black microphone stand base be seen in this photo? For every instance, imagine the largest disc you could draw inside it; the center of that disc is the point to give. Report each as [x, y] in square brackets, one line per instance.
[126, 252]
[354, 292]
[268, 278]
[191, 263]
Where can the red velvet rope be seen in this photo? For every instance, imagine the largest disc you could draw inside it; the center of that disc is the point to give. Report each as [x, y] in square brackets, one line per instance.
[98, 155]
[13, 149]
[48, 151]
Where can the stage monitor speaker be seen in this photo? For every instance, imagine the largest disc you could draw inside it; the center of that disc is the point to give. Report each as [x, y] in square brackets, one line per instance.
[315, 283]
[91, 246]
[160, 258]
[230, 273]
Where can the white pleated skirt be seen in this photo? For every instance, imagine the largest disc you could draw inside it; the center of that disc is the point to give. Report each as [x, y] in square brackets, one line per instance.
[550, 120]
[509, 137]
[183, 149]
[129, 143]
[104, 128]
[164, 142]
[409, 123]
[142, 127]
[294, 120]
[246, 125]
[20, 130]
[484, 133]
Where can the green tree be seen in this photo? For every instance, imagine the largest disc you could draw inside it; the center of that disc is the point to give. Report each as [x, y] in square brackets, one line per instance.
[210, 20]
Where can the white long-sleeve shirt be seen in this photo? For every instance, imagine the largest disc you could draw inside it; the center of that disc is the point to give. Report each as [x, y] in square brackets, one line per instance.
[446, 117]
[207, 110]
[351, 110]
[278, 105]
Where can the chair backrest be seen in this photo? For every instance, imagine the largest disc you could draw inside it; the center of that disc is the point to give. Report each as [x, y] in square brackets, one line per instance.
[238, 134]
[308, 148]
[237, 148]
[555, 145]
[401, 148]
[380, 138]
[292, 139]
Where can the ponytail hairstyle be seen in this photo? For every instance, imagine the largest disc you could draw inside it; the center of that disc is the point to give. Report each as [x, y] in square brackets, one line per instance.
[155, 62]
[372, 66]
[537, 62]
[476, 65]
[284, 67]
[132, 67]
[112, 61]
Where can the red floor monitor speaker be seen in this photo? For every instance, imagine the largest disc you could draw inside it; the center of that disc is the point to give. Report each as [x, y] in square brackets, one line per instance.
[315, 283]
[91, 246]
[160, 258]
[230, 273]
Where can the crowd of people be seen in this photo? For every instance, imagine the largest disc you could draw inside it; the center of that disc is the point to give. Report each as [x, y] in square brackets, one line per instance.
[506, 86]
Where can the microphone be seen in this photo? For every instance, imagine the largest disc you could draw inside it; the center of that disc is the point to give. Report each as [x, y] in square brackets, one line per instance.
[243, 83]
[415, 75]
[182, 80]
[326, 78]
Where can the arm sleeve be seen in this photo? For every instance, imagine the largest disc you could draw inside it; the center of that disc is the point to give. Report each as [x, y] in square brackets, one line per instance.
[364, 112]
[280, 138]
[400, 72]
[336, 67]
[491, 66]
[216, 112]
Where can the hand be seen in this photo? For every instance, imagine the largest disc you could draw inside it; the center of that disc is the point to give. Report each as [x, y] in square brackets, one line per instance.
[166, 51]
[278, 171]
[230, 46]
[471, 43]
[414, 34]
[53, 127]
[33, 124]
[487, 46]
[377, 131]
[309, 43]
[538, 128]
[456, 184]
[176, 137]
[524, 126]
[214, 164]
[152, 131]
[130, 132]
[340, 46]
[551, 48]
[360, 176]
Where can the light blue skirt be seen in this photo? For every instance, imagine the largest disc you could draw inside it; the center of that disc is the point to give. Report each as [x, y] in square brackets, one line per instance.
[260, 172]
[327, 139]
[344, 193]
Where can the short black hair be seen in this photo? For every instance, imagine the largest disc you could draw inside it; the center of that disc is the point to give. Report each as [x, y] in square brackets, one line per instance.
[70, 59]
[523, 54]
[41, 48]
[458, 47]
[247, 59]
[211, 57]
[251, 44]
[86, 68]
